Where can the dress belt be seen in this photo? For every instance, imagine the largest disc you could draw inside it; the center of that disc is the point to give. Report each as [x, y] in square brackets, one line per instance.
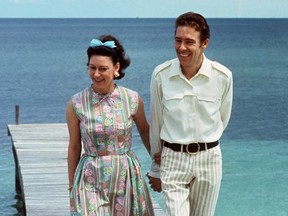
[191, 148]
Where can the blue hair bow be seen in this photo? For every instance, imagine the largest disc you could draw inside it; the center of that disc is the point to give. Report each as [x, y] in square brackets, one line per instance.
[96, 43]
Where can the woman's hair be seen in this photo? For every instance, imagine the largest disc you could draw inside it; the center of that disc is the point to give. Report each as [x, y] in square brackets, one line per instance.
[117, 54]
[196, 21]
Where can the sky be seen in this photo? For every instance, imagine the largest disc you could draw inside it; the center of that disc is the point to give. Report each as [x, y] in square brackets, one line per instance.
[142, 8]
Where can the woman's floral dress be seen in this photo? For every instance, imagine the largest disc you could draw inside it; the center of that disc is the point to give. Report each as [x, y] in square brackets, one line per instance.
[108, 179]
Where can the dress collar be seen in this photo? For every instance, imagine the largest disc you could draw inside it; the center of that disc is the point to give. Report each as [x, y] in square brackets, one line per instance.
[99, 98]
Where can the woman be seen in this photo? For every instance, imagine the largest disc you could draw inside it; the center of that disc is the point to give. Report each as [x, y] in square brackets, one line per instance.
[107, 178]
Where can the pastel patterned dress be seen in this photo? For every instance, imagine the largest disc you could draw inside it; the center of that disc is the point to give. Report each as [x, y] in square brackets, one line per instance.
[108, 179]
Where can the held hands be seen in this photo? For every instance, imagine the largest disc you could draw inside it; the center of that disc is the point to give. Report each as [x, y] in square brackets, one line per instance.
[155, 183]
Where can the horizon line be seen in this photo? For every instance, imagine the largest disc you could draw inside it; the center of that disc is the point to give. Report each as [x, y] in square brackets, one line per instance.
[138, 17]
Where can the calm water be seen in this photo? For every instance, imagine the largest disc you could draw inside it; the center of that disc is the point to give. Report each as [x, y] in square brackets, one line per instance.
[42, 63]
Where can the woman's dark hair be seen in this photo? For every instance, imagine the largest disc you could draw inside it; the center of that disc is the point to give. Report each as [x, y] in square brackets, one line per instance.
[196, 21]
[117, 54]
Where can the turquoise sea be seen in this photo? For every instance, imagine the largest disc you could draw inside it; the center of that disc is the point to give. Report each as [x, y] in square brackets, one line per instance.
[43, 63]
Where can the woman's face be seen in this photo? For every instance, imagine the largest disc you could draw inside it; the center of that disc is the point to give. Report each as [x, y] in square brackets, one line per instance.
[101, 71]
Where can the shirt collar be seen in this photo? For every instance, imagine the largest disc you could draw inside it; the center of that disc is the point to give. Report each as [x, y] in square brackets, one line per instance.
[175, 68]
[204, 69]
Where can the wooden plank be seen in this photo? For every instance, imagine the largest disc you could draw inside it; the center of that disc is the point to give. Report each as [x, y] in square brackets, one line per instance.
[40, 153]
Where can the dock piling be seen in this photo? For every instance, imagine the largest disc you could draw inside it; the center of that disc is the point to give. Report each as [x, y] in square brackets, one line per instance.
[17, 114]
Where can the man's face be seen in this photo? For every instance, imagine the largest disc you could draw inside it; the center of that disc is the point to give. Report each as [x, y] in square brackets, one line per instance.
[188, 46]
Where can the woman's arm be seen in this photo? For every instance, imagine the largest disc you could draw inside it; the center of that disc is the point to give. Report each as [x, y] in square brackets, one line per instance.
[74, 147]
[142, 124]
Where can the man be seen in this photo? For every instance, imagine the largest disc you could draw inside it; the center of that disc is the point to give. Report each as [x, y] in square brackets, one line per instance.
[191, 101]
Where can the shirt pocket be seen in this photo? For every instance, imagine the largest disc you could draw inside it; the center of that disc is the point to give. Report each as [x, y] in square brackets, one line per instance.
[175, 104]
[208, 105]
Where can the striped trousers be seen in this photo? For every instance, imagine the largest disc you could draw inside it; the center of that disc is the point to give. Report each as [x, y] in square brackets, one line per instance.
[191, 183]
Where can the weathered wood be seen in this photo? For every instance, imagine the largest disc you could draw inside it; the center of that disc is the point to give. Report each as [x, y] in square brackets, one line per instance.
[40, 153]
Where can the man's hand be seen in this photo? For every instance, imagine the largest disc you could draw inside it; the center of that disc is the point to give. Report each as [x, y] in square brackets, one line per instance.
[157, 158]
[155, 183]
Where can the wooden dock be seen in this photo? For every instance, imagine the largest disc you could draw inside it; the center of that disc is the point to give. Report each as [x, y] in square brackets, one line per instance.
[40, 153]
